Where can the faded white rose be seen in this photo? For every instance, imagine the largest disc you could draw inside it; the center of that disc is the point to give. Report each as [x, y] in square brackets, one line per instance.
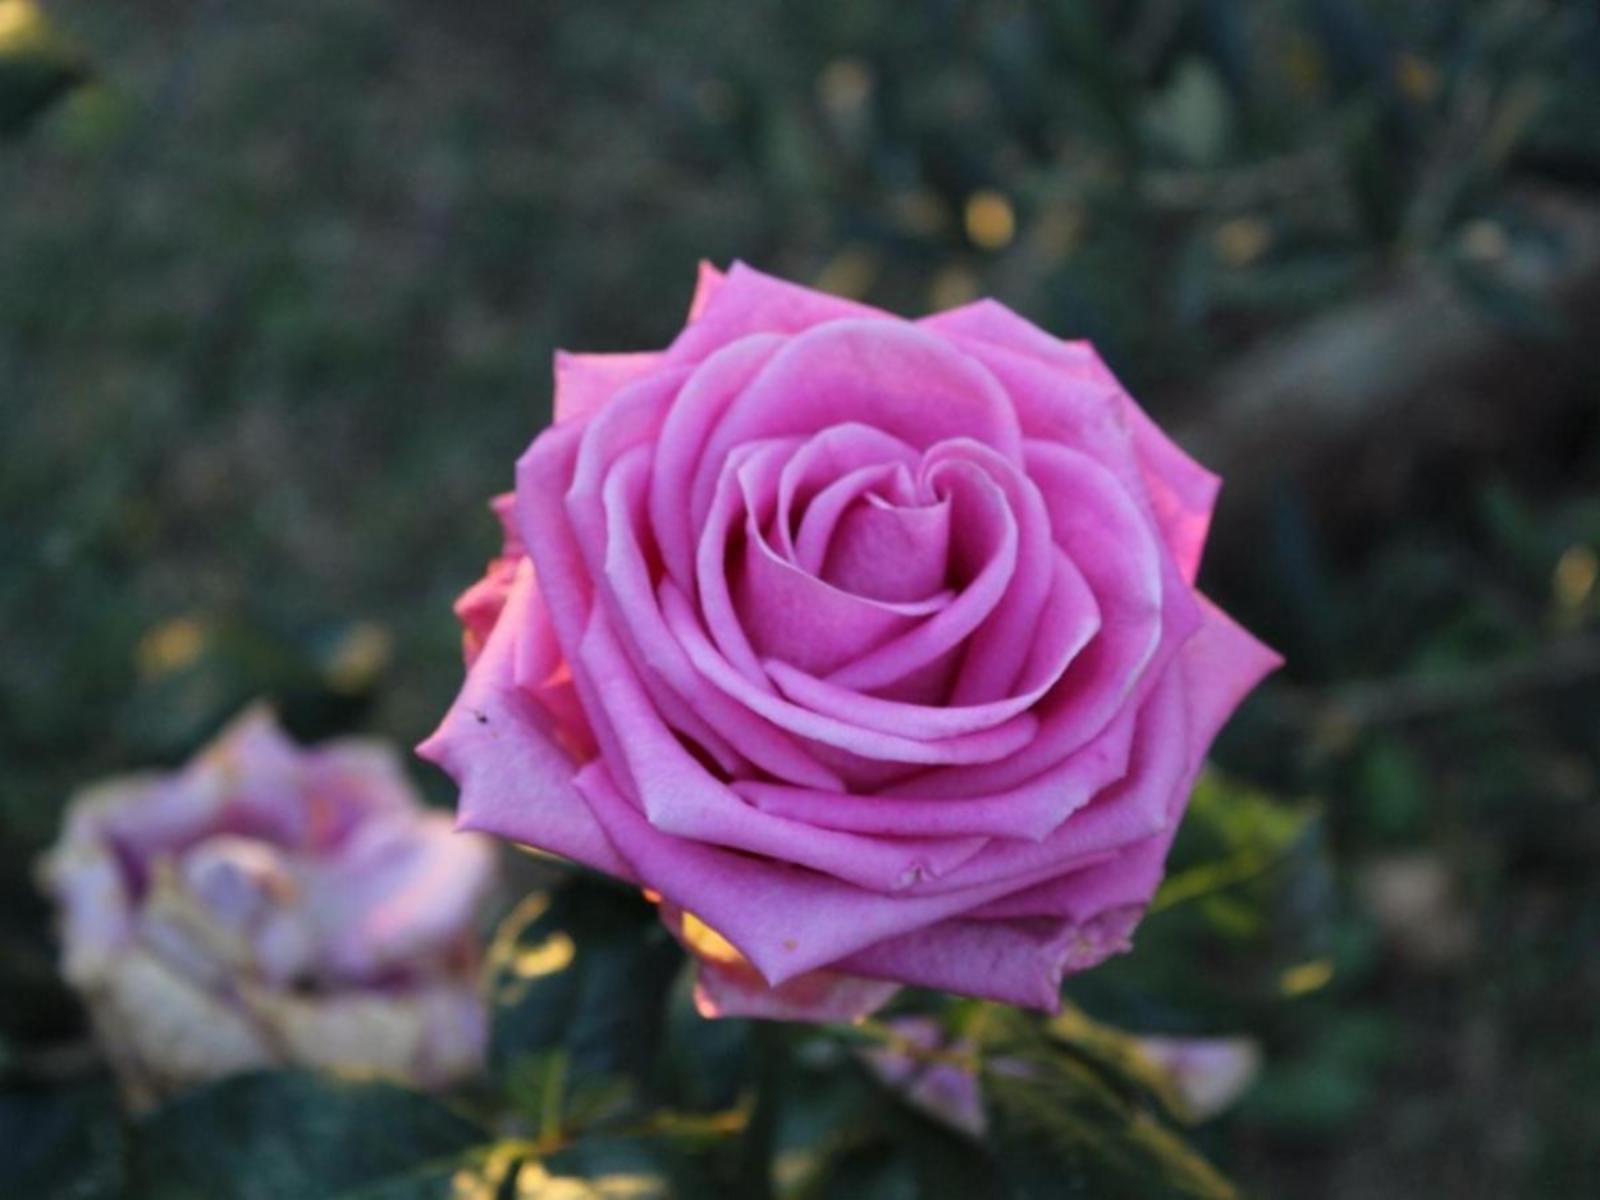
[271, 905]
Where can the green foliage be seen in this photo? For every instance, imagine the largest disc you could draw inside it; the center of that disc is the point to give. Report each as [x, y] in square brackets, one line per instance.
[37, 65]
[580, 979]
[283, 1136]
[1068, 1123]
[62, 1143]
[258, 373]
[1234, 835]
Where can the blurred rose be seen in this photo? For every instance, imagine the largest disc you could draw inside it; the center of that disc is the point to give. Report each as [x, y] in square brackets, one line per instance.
[871, 645]
[271, 905]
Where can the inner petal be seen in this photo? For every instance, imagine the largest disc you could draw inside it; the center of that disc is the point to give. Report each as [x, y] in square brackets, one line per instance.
[982, 560]
[890, 551]
[824, 462]
[815, 528]
[891, 375]
[797, 618]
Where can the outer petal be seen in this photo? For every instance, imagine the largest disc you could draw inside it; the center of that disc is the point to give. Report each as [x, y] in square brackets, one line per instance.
[1029, 811]
[1182, 492]
[585, 382]
[515, 781]
[726, 985]
[708, 282]
[433, 1034]
[803, 920]
[1015, 962]
[1221, 664]
[478, 608]
[681, 798]
[401, 890]
[887, 374]
[745, 301]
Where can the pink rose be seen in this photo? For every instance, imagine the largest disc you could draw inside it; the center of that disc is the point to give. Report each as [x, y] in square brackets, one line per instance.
[268, 905]
[872, 644]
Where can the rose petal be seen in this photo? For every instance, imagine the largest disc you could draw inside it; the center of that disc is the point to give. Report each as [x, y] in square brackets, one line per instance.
[696, 411]
[1221, 664]
[887, 374]
[746, 302]
[1182, 492]
[660, 659]
[1030, 811]
[515, 781]
[1071, 620]
[726, 985]
[679, 797]
[585, 383]
[1014, 962]
[1137, 807]
[984, 746]
[708, 282]
[805, 920]
[402, 890]
[983, 551]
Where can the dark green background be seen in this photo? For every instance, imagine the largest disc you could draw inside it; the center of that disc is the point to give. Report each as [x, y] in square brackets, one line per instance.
[279, 290]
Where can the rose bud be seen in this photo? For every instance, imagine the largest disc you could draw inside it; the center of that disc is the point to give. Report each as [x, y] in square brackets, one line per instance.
[269, 905]
[1203, 1077]
[873, 645]
[935, 1075]
[1208, 1074]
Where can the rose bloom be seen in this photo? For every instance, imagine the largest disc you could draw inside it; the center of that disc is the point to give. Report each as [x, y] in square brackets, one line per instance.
[870, 647]
[268, 905]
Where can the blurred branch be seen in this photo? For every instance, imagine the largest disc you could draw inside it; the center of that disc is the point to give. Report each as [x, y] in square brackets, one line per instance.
[1158, 22]
[58, 1063]
[1316, 169]
[1358, 705]
[1355, 397]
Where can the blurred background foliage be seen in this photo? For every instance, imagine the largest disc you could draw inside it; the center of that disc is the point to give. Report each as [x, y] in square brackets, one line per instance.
[279, 286]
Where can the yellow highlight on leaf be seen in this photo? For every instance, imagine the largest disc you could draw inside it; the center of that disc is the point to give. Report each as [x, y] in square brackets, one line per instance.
[707, 943]
[553, 954]
[849, 273]
[953, 287]
[845, 83]
[1307, 977]
[1575, 576]
[170, 646]
[19, 21]
[1242, 241]
[991, 222]
[360, 657]
[1417, 78]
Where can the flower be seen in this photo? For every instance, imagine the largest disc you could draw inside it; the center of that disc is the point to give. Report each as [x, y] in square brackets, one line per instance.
[871, 644]
[268, 905]
[1201, 1077]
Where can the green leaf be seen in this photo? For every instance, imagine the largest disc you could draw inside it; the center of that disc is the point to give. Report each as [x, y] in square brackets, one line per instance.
[585, 972]
[1231, 835]
[1193, 116]
[705, 1061]
[1061, 1126]
[1116, 1055]
[37, 65]
[646, 1168]
[61, 1143]
[286, 1135]
[944, 1167]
